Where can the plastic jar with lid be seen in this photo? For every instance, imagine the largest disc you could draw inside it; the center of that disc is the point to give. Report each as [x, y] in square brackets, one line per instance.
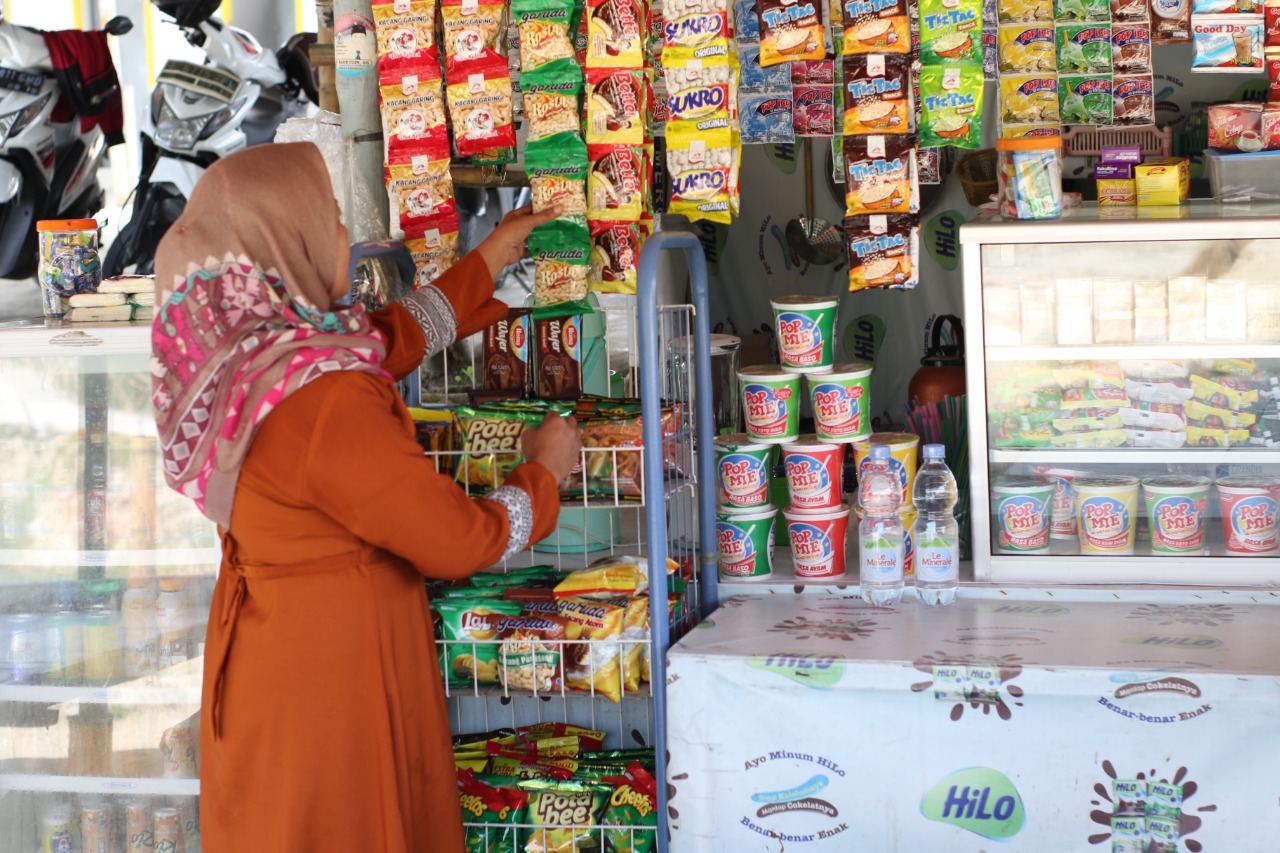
[68, 262]
[1029, 172]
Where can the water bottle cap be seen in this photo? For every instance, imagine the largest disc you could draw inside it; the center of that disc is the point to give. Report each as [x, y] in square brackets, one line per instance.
[934, 451]
[880, 451]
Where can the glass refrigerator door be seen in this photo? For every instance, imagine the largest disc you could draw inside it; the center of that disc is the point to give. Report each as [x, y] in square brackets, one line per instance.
[1132, 407]
[105, 580]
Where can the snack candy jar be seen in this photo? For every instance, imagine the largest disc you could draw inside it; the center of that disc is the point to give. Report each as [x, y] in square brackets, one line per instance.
[770, 403]
[841, 402]
[68, 263]
[742, 472]
[814, 471]
[805, 326]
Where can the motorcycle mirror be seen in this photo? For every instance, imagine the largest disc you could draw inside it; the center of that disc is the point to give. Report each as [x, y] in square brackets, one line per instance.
[118, 26]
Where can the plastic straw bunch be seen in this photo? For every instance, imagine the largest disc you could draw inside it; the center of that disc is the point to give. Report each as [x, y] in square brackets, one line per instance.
[947, 423]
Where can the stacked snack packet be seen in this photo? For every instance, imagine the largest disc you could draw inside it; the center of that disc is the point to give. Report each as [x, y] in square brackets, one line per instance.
[554, 779]
[882, 192]
[124, 297]
[419, 186]
[619, 145]
[766, 103]
[700, 72]
[542, 631]
[555, 155]
[951, 75]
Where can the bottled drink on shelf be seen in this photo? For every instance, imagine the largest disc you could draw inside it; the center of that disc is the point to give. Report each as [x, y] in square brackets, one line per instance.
[103, 658]
[64, 646]
[97, 826]
[23, 654]
[936, 534]
[139, 825]
[174, 619]
[57, 828]
[141, 630]
[167, 832]
[880, 534]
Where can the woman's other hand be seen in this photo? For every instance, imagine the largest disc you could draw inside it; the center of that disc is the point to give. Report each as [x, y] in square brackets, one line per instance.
[554, 444]
[506, 244]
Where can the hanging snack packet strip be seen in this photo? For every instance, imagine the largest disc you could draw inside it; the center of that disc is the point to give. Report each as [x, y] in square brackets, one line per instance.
[434, 252]
[876, 26]
[480, 106]
[790, 30]
[551, 99]
[615, 254]
[557, 169]
[1026, 49]
[877, 91]
[471, 31]
[951, 106]
[884, 251]
[543, 27]
[418, 191]
[814, 109]
[406, 34]
[767, 117]
[615, 33]
[951, 32]
[880, 175]
[1028, 99]
[704, 91]
[703, 168]
[617, 106]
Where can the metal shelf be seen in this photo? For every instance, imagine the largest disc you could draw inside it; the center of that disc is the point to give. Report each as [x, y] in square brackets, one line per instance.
[99, 785]
[1135, 455]
[1132, 352]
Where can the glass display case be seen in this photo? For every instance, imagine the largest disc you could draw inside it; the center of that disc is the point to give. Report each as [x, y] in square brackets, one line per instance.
[1124, 396]
[105, 580]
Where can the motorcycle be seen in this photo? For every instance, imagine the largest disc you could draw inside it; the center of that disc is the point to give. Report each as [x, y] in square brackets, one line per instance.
[201, 113]
[49, 158]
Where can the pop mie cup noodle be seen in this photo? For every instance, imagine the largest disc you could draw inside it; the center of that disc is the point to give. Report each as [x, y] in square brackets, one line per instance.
[903, 447]
[744, 543]
[1023, 507]
[814, 471]
[771, 404]
[818, 539]
[841, 402]
[805, 326]
[1106, 514]
[1062, 523]
[908, 520]
[742, 472]
[1249, 512]
[1175, 509]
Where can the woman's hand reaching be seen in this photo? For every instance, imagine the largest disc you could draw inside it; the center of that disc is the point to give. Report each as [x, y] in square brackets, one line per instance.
[555, 444]
[506, 244]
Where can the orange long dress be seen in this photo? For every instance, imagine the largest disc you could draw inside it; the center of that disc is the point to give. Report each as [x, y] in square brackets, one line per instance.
[324, 725]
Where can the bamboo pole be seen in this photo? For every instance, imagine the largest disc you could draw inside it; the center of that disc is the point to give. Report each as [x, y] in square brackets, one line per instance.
[322, 56]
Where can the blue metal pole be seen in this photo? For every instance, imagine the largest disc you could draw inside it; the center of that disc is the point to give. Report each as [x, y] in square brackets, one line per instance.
[651, 366]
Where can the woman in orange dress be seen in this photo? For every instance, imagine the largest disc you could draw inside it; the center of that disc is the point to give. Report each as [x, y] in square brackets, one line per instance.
[323, 724]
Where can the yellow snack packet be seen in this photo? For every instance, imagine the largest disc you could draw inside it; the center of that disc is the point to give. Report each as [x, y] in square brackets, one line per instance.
[1026, 49]
[1029, 99]
[607, 582]
[704, 167]
[594, 666]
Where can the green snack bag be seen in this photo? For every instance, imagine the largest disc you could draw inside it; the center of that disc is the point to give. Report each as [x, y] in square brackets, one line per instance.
[557, 169]
[1084, 49]
[561, 253]
[951, 106]
[951, 32]
[544, 31]
[1094, 11]
[563, 813]
[1085, 100]
[633, 803]
[490, 441]
[551, 99]
[488, 799]
[467, 631]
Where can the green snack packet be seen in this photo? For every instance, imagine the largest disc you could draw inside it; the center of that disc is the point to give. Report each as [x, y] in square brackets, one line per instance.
[514, 577]
[552, 95]
[1083, 49]
[1091, 11]
[486, 800]
[466, 634]
[951, 106]
[951, 32]
[1085, 100]
[632, 804]
[490, 441]
[557, 169]
[544, 31]
[563, 813]
[561, 253]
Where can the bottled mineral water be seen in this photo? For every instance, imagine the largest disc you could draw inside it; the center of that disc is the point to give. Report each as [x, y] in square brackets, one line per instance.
[880, 531]
[936, 535]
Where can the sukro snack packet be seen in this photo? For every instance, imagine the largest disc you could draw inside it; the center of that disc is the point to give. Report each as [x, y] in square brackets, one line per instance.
[880, 175]
[703, 168]
[480, 105]
[701, 90]
[951, 107]
[790, 30]
[884, 251]
[695, 23]
[877, 92]
[543, 27]
[951, 32]
[471, 33]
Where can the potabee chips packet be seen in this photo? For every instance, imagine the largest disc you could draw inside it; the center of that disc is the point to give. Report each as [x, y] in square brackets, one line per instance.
[563, 814]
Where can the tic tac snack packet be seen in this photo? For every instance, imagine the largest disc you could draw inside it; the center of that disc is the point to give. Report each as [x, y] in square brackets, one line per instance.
[406, 37]
[562, 814]
[695, 24]
[814, 109]
[951, 32]
[1133, 101]
[951, 106]
[561, 258]
[467, 631]
[480, 106]
[616, 106]
[557, 169]
[615, 34]
[1131, 48]
[543, 27]
[1028, 99]
[616, 182]
[1085, 100]
[790, 31]
[884, 251]
[615, 253]
[877, 90]
[1084, 49]
[1026, 49]
[471, 33]
[703, 168]
[876, 26]
[880, 175]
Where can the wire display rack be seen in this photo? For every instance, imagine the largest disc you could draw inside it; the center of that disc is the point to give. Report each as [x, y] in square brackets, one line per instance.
[653, 508]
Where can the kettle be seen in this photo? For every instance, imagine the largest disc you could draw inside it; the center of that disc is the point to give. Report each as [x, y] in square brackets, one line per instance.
[941, 372]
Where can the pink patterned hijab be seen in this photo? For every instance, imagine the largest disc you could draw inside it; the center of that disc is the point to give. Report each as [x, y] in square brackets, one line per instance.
[244, 282]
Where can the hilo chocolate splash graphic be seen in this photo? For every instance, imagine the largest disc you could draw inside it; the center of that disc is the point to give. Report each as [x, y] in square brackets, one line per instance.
[846, 630]
[1146, 812]
[979, 682]
[1211, 615]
